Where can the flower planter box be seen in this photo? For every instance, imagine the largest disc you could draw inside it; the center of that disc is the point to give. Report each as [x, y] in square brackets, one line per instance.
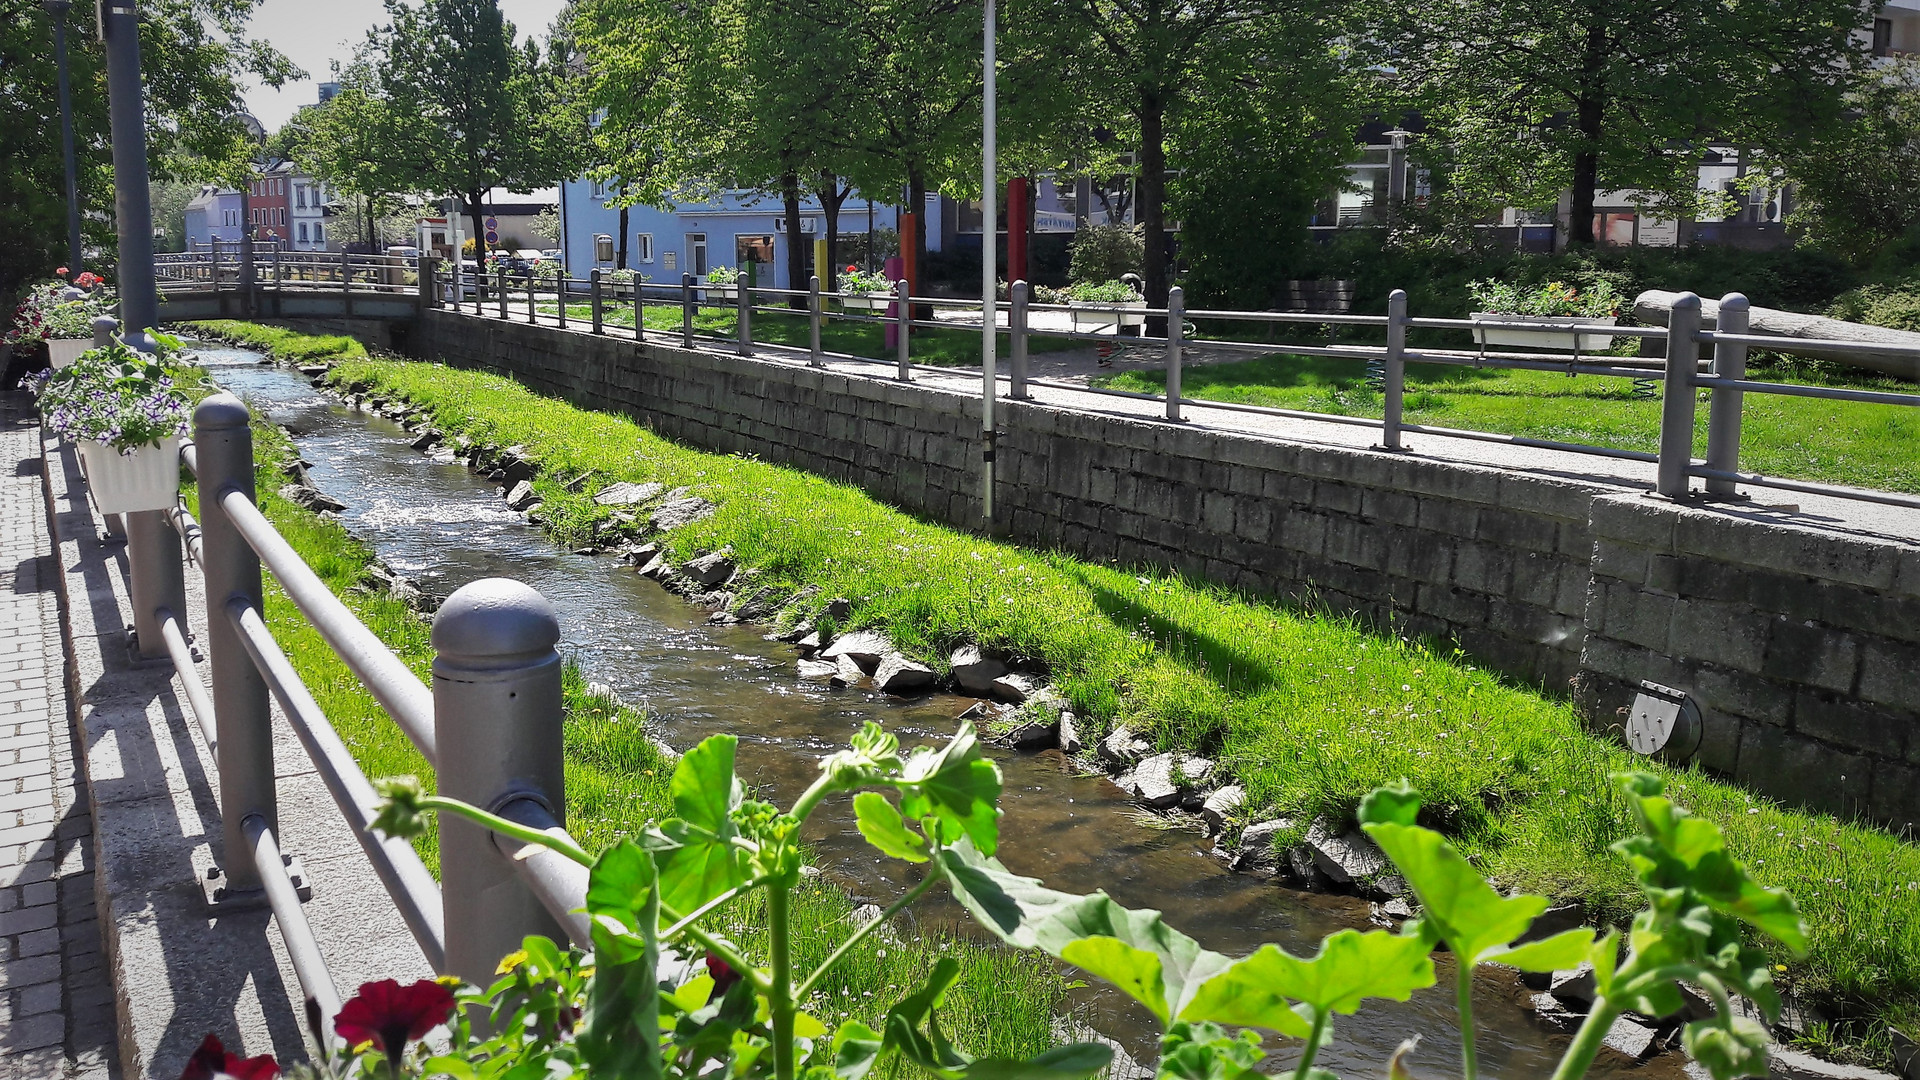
[1102, 318]
[146, 479]
[64, 351]
[866, 303]
[725, 294]
[1562, 341]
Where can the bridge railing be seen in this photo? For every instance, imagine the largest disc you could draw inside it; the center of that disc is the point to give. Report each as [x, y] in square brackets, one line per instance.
[1695, 359]
[489, 727]
[320, 271]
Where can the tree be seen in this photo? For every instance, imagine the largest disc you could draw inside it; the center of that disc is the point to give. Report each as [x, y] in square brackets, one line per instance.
[1858, 182]
[195, 59]
[454, 106]
[1527, 96]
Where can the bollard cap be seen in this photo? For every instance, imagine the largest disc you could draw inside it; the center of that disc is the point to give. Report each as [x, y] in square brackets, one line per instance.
[495, 619]
[1735, 301]
[106, 322]
[221, 410]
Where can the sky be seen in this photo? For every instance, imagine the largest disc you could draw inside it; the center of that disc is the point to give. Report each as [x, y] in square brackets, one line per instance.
[312, 33]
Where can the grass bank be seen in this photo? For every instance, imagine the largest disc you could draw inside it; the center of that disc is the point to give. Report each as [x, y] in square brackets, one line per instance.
[617, 781]
[1309, 712]
[1799, 438]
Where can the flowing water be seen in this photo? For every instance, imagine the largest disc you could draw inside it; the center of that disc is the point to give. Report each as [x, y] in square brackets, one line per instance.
[443, 527]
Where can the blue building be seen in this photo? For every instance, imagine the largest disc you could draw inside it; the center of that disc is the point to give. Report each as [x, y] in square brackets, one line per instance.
[214, 214]
[731, 230]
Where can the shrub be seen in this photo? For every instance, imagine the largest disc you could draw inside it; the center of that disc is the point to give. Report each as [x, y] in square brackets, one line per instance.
[1552, 299]
[1895, 305]
[1104, 252]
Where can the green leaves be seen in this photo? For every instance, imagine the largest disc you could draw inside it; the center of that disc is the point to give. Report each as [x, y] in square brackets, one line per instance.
[884, 828]
[622, 1032]
[913, 1030]
[400, 815]
[1350, 967]
[700, 852]
[957, 786]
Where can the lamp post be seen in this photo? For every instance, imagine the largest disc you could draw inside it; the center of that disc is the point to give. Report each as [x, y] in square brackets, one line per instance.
[139, 299]
[57, 9]
[989, 293]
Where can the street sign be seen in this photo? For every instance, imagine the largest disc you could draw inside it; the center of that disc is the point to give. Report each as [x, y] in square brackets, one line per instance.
[493, 237]
[493, 223]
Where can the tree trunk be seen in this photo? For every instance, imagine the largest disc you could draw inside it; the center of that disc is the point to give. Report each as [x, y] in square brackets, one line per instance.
[1152, 205]
[479, 215]
[917, 206]
[1588, 111]
[796, 254]
[831, 198]
[625, 232]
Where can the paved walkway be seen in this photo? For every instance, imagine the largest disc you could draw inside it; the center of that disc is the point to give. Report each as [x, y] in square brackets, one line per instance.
[56, 1007]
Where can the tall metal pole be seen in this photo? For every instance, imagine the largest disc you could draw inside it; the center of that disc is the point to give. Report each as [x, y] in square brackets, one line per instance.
[989, 313]
[58, 10]
[139, 299]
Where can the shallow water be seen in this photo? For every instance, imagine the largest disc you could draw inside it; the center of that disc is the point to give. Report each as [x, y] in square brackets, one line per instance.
[443, 527]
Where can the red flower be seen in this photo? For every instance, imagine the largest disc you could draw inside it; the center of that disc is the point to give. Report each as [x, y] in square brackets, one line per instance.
[723, 974]
[852, 268]
[212, 1060]
[63, 273]
[389, 1015]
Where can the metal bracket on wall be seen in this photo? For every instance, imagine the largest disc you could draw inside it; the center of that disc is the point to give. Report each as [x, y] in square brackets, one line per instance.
[1663, 721]
[221, 899]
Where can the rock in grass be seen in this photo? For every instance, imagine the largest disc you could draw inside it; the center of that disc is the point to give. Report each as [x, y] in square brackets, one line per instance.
[1223, 806]
[1788, 1064]
[1123, 747]
[863, 647]
[846, 672]
[678, 512]
[1256, 845]
[1555, 920]
[626, 493]
[896, 674]
[1346, 858]
[1305, 870]
[1070, 734]
[1573, 984]
[1151, 781]
[1014, 687]
[311, 499]
[1551, 1012]
[794, 636]
[711, 569]
[1034, 733]
[640, 554]
[838, 609]
[1630, 1037]
[520, 496]
[974, 671]
[427, 440]
[654, 567]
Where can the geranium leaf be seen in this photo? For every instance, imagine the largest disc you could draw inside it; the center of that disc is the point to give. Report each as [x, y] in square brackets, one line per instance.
[885, 829]
[1349, 968]
[1134, 971]
[621, 1036]
[1458, 903]
[695, 852]
[957, 785]
[1060, 1063]
[1556, 953]
[856, 1049]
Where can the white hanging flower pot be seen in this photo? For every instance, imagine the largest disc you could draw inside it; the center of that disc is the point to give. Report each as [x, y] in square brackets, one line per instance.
[148, 478]
[64, 351]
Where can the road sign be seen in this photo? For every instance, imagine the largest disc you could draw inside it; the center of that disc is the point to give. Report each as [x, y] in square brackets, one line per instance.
[493, 223]
[493, 237]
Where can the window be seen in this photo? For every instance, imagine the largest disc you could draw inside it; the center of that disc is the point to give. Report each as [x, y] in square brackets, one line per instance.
[603, 248]
[300, 193]
[753, 247]
[1882, 36]
[303, 235]
[599, 189]
[644, 245]
[697, 253]
[319, 233]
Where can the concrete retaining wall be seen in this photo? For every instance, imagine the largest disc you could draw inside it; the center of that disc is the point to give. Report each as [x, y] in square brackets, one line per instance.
[1802, 646]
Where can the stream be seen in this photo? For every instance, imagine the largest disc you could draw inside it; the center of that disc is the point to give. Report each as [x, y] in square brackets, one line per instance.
[442, 526]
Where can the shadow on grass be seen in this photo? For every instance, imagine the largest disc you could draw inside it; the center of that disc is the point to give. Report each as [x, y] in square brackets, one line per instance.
[1231, 667]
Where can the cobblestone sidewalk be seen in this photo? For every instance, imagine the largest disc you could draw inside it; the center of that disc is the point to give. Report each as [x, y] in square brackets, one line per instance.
[56, 1006]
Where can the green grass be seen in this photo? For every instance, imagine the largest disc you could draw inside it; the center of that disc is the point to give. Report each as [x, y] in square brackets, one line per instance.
[1863, 445]
[617, 782]
[937, 346]
[1310, 712]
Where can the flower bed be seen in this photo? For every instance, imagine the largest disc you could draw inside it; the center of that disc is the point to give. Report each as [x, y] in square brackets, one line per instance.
[123, 410]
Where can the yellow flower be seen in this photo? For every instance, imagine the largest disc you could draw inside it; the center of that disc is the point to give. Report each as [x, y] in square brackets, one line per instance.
[510, 961]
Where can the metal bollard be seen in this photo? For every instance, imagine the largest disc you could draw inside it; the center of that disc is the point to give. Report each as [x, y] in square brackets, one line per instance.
[560, 291]
[1176, 319]
[224, 443]
[1017, 330]
[594, 298]
[1393, 392]
[104, 327]
[1677, 404]
[743, 320]
[686, 311]
[639, 310]
[903, 323]
[498, 711]
[156, 577]
[1724, 406]
[502, 285]
[533, 312]
[814, 356]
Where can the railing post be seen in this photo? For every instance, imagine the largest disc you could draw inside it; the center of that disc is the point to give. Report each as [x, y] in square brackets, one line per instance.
[814, 355]
[1677, 404]
[686, 311]
[743, 319]
[502, 282]
[533, 299]
[1393, 392]
[1176, 319]
[224, 443]
[594, 298]
[1017, 331]
[425, 278]
[346, 278]
[902, 324]
[1724, 406]
[560, 284]
[497, 714]
[639, 309]
[156, 578]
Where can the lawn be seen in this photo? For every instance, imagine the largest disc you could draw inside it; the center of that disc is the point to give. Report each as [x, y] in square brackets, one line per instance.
[1307, 710]
[617, 782]
[1872, 446]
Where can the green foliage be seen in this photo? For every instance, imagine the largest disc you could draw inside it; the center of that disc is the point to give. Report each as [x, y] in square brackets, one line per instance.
[1552, 298]
[1892, 304]
[44, 314]
[1101, 253]
[1101, 292]
[1857, 186]
[114, 395]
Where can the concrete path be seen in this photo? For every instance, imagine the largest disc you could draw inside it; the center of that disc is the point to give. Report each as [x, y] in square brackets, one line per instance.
[56, 1006]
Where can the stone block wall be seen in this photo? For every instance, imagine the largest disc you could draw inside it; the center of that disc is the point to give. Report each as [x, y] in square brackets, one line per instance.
[1802, 646]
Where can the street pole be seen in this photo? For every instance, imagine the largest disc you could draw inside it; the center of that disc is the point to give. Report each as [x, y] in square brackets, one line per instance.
[989, 313]
[139, 299]
[58, 10]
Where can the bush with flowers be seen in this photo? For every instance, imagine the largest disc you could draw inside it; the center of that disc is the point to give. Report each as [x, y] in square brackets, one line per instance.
[48, 313]
[624, 1010]
[115, 395]
[1551, 299]
[855, 280]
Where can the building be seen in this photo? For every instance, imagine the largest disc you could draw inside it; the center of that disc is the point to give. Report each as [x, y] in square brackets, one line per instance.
[268, 202]
[732, 229]
[213, 216]
[309, 215]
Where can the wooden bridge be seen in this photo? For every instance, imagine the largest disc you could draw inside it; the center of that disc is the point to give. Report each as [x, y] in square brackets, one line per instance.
[291, 285]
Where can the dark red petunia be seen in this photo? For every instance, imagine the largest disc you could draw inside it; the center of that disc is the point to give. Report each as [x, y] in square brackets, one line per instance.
[389, 1015]
[212, 1060]
[723, 974]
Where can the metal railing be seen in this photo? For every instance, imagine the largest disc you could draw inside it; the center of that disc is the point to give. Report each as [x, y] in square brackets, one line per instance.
[490, 726]
[1678, 376]
[317, 271]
